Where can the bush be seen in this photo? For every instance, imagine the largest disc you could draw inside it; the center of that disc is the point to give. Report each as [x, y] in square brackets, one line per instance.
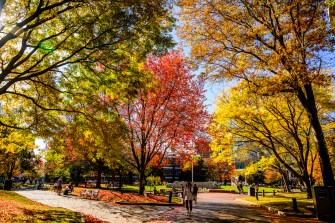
[154, 181]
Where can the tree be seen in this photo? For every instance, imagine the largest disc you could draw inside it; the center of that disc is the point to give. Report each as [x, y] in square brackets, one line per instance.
[223, 171]
[275, 46]
[91, 142]
[166, 116]
[272, 126]
[17, 153]
[331, 7]
[45, 46]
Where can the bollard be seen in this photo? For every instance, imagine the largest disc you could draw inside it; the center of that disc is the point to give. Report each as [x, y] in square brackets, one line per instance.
[274, 193]
[263, 193]
[170, 197]
[294, 205]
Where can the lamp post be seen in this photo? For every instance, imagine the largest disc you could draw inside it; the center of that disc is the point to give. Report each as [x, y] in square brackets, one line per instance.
[173, 167]
[192, 156]
[192, 168]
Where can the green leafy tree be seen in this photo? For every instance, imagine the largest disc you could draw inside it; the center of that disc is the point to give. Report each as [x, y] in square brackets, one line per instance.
[46, 45]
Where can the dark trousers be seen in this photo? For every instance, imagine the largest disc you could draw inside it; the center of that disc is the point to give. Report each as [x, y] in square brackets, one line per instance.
[189, 201]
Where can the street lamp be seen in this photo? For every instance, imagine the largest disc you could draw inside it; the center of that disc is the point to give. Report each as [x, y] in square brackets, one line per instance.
[173, 156]
[192, 168]
[192, 155]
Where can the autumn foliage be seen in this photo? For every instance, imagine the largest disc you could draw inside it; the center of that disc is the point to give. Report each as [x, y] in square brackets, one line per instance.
[166, 116]
[276, 46]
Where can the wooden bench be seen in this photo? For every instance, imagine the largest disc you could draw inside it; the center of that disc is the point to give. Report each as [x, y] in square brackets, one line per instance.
[45, 187]
[91, 194]
[95, 194]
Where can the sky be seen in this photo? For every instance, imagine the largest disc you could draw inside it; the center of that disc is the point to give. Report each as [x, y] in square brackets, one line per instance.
[212, 90]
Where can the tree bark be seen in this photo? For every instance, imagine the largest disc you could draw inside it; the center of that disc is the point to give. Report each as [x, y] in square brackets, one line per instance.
[286, 181]
[308, 187]
[142, 182]
[99, 170]
[308, 101]
[120, 179]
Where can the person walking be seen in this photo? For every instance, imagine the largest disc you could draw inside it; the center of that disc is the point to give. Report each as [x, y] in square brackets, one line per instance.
[188, 197]
[195, 193]
[59, 185]
[238, 185]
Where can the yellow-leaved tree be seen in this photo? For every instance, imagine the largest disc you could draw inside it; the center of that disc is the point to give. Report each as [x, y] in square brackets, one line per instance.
[17, 154]
[276, 126]
[277, 46]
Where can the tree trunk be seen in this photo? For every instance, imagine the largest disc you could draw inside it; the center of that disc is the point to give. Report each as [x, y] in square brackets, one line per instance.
[142, 182]
[286, 181]
[113, 180]
[8, 183]
[98, 185]
[78, 177]
[308, 187]
[309, 104]
[120, 179]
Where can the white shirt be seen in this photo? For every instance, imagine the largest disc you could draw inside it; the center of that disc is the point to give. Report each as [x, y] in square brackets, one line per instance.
[188, 193]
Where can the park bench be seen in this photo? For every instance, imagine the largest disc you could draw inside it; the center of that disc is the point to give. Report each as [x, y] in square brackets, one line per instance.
[85, 193]
[95, 194]
[163, 192]
[45, 187]
[91, 194]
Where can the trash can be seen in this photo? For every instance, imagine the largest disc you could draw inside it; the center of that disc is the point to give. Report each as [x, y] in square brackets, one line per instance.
[7, 184]
[251, 191]
[332, 195]
[323, 204]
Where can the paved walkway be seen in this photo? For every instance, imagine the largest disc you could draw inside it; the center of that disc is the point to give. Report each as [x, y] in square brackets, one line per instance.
[211, 208]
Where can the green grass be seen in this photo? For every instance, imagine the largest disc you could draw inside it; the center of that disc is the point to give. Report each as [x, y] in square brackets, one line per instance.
[147, 188]
[283, 201]
[245, 189]
[16, 208]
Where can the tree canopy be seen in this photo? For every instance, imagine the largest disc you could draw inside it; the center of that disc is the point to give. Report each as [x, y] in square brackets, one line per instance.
[166, 116]
[17, 153]
[283, 46]
[48, 47]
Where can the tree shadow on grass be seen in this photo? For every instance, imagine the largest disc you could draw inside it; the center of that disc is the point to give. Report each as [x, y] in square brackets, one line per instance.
[52, 216]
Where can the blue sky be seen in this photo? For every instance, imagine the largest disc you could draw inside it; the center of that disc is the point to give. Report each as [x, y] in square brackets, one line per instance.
[212, 90]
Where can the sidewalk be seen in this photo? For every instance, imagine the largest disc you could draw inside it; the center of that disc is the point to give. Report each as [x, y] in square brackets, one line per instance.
[98, 209]
[211, 208]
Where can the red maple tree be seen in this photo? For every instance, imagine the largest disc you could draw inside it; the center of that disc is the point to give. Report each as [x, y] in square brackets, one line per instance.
[169, 117]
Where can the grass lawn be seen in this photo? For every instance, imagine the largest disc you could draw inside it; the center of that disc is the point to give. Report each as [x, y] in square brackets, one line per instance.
[245, 189]
[15, 208]
[147, 188]
[283, 201]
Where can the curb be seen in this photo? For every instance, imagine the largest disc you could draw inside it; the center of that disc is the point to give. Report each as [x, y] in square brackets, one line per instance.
[151, 204]
[283, 213]
[221, 191]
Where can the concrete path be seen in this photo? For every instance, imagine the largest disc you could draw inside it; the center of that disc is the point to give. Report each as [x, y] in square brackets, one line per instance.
[211, 208]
